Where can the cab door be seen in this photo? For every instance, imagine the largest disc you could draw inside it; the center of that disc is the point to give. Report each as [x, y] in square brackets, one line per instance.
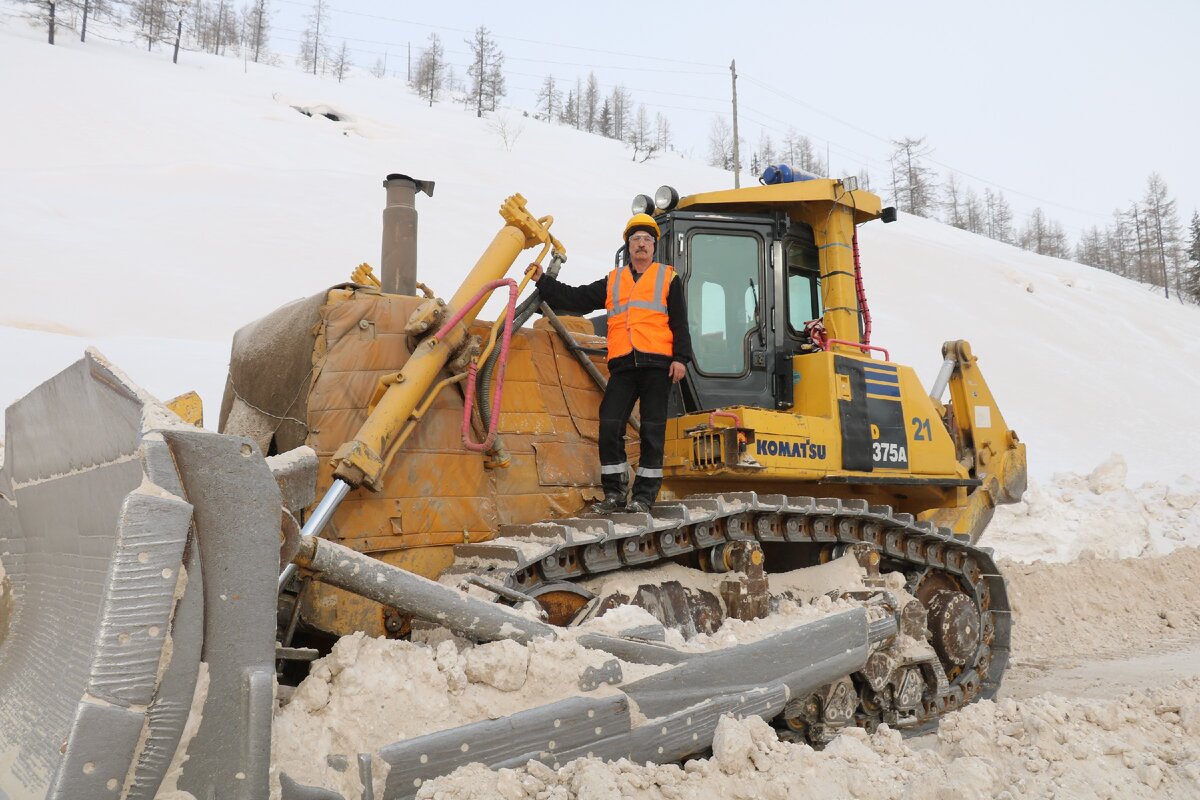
[724, 264]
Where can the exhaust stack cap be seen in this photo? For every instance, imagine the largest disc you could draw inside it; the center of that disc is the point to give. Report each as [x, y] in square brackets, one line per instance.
[398, 259]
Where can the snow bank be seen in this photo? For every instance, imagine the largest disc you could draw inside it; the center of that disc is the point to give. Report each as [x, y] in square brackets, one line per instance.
[1101, 608]
[1072, 516]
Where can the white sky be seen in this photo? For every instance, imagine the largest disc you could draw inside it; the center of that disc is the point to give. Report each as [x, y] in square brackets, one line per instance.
[1060, 103]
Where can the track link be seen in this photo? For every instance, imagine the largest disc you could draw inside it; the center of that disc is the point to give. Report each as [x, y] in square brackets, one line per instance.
[532, 559]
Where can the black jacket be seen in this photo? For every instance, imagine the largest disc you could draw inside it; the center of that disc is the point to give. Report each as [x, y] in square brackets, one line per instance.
[590, 297]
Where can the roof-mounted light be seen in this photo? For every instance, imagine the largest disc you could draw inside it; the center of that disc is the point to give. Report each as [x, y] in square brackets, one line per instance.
[666, 198]
[643, 204]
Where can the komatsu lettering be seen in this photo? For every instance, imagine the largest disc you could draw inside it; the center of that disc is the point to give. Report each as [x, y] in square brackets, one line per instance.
[782, 447]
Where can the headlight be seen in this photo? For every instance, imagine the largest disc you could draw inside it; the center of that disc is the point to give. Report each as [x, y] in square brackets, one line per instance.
[643, 204]
[666, 198]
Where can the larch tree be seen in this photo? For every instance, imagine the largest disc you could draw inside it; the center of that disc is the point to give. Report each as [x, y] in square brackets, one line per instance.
[914, 183]
[258, 29]
[1191, 281]
[430, 75]
[974, 213]
[621, 104]
[485, 58]
[1162, 233]
[342, 62]
[662, 132]
[798, 151]
[641, 136]
[549, 97]
[720, 144]
[312, 41]
[590, 104]
[495, 81]
[999, 216]
[604, 120]
[953, 203]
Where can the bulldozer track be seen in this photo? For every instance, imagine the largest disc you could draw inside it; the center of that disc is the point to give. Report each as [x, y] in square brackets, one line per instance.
[532, 559]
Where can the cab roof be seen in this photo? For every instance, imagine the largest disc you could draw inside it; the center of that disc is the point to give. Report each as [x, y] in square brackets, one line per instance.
[785, 196]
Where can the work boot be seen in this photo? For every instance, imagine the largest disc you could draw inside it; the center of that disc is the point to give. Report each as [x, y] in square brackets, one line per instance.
[645, 492]
[616, 488]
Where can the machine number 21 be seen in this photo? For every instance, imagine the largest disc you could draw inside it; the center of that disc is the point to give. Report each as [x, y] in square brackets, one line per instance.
[921, 430]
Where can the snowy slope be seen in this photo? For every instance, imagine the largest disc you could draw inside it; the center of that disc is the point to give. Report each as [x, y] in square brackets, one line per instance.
[152, 209]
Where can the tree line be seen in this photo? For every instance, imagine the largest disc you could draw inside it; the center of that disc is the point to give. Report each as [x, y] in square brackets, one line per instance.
[1144, 241]
[214, 26]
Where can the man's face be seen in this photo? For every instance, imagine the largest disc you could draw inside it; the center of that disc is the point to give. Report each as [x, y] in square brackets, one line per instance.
[641, 247]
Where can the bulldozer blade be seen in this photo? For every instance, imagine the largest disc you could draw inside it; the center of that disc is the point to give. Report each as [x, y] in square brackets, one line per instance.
[683, 705]
[141, 556]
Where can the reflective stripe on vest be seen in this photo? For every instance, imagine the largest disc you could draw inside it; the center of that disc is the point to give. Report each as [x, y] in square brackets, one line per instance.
[640, 322]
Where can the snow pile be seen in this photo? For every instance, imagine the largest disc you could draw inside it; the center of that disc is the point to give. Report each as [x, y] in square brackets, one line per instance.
[1141, 745]
[1100, 608]
[368, 693]
[1072, 516]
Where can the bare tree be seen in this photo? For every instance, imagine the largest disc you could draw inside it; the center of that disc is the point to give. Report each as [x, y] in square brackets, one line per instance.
[620, 104]
[1044, 236]
[495, 81]
[342, 62]
[590, 104]
[953, 203]
[312, 41]
[1162, 233]
[507, 130]
[913, 182]
[641, 137]
[662, 132]
[430, 76]
[258, 36]
[720, 144]
[569, 113]
[999, 216]
[485, 58]
[798, 151]
[974, 213]
[1191, 281]
[45, 12]
[548, 97]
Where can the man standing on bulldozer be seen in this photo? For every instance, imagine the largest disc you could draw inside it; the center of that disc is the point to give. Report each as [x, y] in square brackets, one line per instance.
[648, 346]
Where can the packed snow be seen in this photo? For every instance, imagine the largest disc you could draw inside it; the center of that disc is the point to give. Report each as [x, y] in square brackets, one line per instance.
[151, 209]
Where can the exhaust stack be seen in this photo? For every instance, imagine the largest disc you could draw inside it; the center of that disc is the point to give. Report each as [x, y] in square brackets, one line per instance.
[398, 261]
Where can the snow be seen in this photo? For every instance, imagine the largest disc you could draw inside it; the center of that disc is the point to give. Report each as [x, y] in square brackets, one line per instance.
[150, 209]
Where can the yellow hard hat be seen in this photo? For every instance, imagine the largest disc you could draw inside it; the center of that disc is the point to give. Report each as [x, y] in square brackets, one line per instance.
[641, 222]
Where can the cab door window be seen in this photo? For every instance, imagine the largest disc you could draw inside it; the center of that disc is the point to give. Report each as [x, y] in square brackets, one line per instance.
[724, 296]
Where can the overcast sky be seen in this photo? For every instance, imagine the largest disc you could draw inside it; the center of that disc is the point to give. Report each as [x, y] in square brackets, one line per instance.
[1064, 104]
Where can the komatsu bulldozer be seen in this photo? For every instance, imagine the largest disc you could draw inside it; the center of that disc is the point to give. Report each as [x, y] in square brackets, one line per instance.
[387, 462]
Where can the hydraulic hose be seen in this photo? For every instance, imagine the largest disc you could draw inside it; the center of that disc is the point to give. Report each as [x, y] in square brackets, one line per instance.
[522, 314]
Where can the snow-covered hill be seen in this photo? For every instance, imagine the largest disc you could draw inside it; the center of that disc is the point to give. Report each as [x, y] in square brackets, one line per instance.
[152, 209]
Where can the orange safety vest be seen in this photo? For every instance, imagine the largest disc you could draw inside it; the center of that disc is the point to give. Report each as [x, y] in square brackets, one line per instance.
[637, 311]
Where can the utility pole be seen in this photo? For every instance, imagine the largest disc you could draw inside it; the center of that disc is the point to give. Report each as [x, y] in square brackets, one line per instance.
[409, 76]
[737, 159]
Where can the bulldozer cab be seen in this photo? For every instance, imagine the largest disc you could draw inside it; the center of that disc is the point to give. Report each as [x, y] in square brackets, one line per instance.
[751, 282]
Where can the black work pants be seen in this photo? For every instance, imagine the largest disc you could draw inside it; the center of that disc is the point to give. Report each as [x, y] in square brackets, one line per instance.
[650, 385]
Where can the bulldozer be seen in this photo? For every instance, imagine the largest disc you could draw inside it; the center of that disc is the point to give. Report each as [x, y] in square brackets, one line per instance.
[387, 463]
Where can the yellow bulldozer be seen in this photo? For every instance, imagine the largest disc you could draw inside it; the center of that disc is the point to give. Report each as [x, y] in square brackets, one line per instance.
[388, 462]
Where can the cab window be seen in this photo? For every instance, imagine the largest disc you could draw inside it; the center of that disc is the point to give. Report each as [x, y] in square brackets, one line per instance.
[723, 295]
[803, 284]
